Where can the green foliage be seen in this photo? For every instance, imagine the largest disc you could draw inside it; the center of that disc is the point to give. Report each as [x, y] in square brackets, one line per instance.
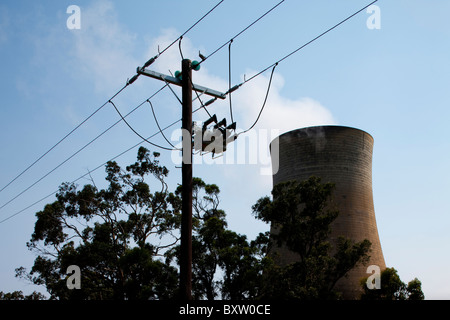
[225, 264]
[18, 295]
[393, 288]
[125, 240]
[301, 216]
[110, 234]
[118, 237]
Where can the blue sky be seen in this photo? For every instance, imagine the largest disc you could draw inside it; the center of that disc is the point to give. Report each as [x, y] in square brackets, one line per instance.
[392, 82]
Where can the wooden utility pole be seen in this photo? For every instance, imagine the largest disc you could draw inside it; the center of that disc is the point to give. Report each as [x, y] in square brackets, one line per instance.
[186, 193]
[186, 168]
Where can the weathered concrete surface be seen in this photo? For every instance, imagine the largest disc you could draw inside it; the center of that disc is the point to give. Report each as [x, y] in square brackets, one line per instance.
[343, 156]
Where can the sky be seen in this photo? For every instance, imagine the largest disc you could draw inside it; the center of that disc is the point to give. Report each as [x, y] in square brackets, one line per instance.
[391, 81]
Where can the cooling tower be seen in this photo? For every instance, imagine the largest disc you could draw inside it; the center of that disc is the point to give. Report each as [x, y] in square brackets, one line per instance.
[343, 156]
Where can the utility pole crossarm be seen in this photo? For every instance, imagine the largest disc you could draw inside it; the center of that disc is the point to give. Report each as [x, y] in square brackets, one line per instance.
[178, 82]
[187, 87]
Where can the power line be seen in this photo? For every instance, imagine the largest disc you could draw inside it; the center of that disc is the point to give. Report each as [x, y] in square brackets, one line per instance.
[100, 166]
[129, 81]
[89, 143]
[190, 80]
[157, 124]
[264, 103]
[309, 42]
[78, 151]
[64, 138]
[229, 42]
[191, 27]
[275, 64]
[229, 80]
[242, 31]
[153, 59]
[203, 106]
[137, 133]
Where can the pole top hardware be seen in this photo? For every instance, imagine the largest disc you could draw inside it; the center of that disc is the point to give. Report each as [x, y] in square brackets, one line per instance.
[177, 81]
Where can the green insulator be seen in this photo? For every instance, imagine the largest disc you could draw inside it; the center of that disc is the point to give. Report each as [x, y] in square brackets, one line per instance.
[195, 65]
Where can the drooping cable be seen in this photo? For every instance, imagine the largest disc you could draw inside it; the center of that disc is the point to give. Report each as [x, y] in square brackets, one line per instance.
[264, 103]
[137, 133]
[157, 124]
[192, 83]
[229, 80]
[230, 90]
[100, 166]
[129, 81]
[179, 48]
[191, 27]
[78, 151]
[170, 87]
[275, 64]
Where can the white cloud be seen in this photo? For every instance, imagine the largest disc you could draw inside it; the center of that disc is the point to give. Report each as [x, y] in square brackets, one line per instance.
[280, 115]
[170, 60]
[103, 46]
[280, 112]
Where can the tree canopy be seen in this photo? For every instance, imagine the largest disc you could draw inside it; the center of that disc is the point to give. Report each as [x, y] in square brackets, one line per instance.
[393, 288]
[124, 240]
[301, 214]
[113, 235]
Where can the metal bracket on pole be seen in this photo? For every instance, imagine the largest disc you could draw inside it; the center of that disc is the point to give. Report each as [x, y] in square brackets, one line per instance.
[186, 168]
[176, 81]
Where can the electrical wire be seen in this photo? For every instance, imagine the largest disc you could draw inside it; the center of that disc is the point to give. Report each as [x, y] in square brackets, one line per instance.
[79, 150]
[137, 133]
[157, 124]
[170, 87]
[229, 80]
[264, 103]
[242, 31]
[203, 106]
[309, 42]
[229, 42]
[179, 48]
[275, 64]
[129, 81]
[62, 139]
[191, 27]
[192, 83]
[100, 166]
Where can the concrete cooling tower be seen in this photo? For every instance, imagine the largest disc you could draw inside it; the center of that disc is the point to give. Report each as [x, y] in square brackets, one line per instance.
[343, 156]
